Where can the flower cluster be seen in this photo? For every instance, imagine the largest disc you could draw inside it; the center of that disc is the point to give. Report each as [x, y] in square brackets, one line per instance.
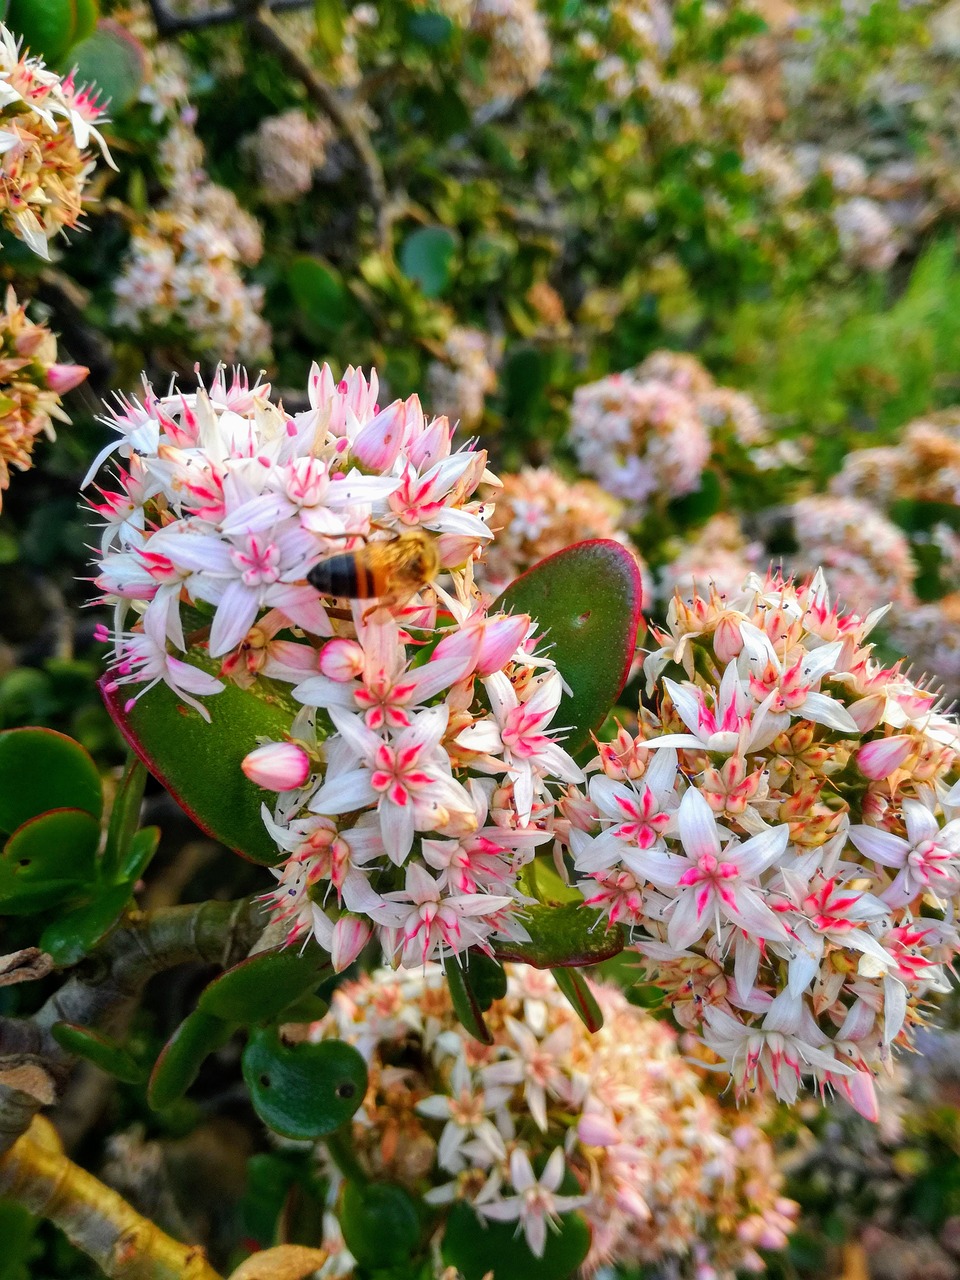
[866, 559]
[867, 236]
[924, 464]
[661, 1173]
[47, 125]
[782, 841]
[287, 151]
[182, 270]
[31, 383]
[646, 435]
[458, 385]
[411, 806]
[519, 51]
[539, 513]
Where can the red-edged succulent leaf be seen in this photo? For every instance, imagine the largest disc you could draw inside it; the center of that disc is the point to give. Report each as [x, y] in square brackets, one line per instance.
[48, 860]
[587, 601]
[199, 763]
[566, 935]
[42, 770]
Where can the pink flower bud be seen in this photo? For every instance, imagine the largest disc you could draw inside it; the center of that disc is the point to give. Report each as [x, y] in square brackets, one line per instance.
[502, 637]
[431, 444]
[378, 444]
[727, 640]
[597, 1131]
[64, 377]
[341, 660]
[279, 766]
[879, 759]
[350, 935]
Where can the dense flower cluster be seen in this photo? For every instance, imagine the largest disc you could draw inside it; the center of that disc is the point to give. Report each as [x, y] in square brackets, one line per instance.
[287, 151]
[182, 270]
[538, 513]
[782, 843]
[519, 52]
[458, 385]
[924, 464]
[930, 635]
[646, 435]
[865, 557]
[664, 1174]
[47, 125]
[31, 383]
[225, 503]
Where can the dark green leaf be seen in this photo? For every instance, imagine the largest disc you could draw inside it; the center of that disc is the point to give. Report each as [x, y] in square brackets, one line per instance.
[41, 770]
[562, 935]
[181, 1058]
[113, 61]
[138, 856]
[199, 763]
[88, 11]
[124, 816]
[474, 1246]
[426, 256]
[71, 936]
[465, 1003]
[260, 988]
[320, 293]
[581, 999]
[303, 1090]
[47, 26]
[103, 1053]
[586, 600]
[430, 28]
[380, 1224]
[17, 1229]
[48, 860]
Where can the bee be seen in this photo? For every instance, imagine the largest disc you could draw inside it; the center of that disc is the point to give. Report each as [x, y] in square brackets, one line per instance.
[389, 572]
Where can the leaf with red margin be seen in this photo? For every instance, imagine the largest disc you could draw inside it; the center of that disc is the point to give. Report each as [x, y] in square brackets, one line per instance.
[586, 600]
[199, 763]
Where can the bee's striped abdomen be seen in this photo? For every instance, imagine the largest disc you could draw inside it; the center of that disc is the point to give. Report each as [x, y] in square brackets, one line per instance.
[344, 575]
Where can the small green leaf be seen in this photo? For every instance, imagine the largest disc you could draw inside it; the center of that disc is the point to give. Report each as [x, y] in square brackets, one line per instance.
[199, 763]
[320, 294]
[472, 1246]
[71, 936]
[139, 855]
[103, 1053]
[47, 26]
[426, 256]
[429, 28]
[303, 1090]
[181, 1058]
[41, 770]
[565, 935]
[465, 1003]
[124, 816]
[260, 988]
[586, 600]
[380, 1224]
[114, 62]
[579, 996]
[48, 860]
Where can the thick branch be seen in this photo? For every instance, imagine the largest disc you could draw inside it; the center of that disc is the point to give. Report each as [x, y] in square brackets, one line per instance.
[104, 992]
[37, 1174]
[265, 28]
[172, 24]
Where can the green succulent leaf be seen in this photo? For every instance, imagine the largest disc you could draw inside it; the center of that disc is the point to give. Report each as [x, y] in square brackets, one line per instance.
[199, 763]
[562, 935]
[260, 988]
[426, 256]
[586, 600]
[472, 1245]
[124, 816]
[466, 1004]
[303, 1090]
[102, 1052]
[68, 938]
[48, 26]
[380, 1224]
[114, 62]
[48, 860]
[181, 1058]
[41, 770]
[579, 996]
[138, 856]
[320, 293]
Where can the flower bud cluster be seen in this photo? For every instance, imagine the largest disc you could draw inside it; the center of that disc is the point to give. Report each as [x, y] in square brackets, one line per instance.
[287, 150]
[47, 125]
[31, 383]
[782, 842]
[661, 1173]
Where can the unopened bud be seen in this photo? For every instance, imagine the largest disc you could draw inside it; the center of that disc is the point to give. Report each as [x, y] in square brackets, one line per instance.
[279, 766]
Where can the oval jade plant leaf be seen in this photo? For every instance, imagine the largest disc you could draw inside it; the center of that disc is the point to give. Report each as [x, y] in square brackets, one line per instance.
[40, 770]
[303, 1090]
[471, 1246]
[260, 988]
[72, 934]
[586, 600]
[112, 60]
[181, 1058]
[96, 1048]
[380, 1225]
[199, 763]
[562, 934]
[48, 860]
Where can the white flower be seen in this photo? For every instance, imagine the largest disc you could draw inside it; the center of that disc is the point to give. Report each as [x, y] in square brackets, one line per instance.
[536, 1204]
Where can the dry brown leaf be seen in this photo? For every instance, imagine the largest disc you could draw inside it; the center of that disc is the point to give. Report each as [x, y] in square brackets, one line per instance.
[24, 966]
[30, 1078]
[286, 1262]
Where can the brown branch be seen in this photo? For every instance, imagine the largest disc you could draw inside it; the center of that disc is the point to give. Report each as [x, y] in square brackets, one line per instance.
[104, 991]
[172, 24]
[265, 28]
[37, 1174]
